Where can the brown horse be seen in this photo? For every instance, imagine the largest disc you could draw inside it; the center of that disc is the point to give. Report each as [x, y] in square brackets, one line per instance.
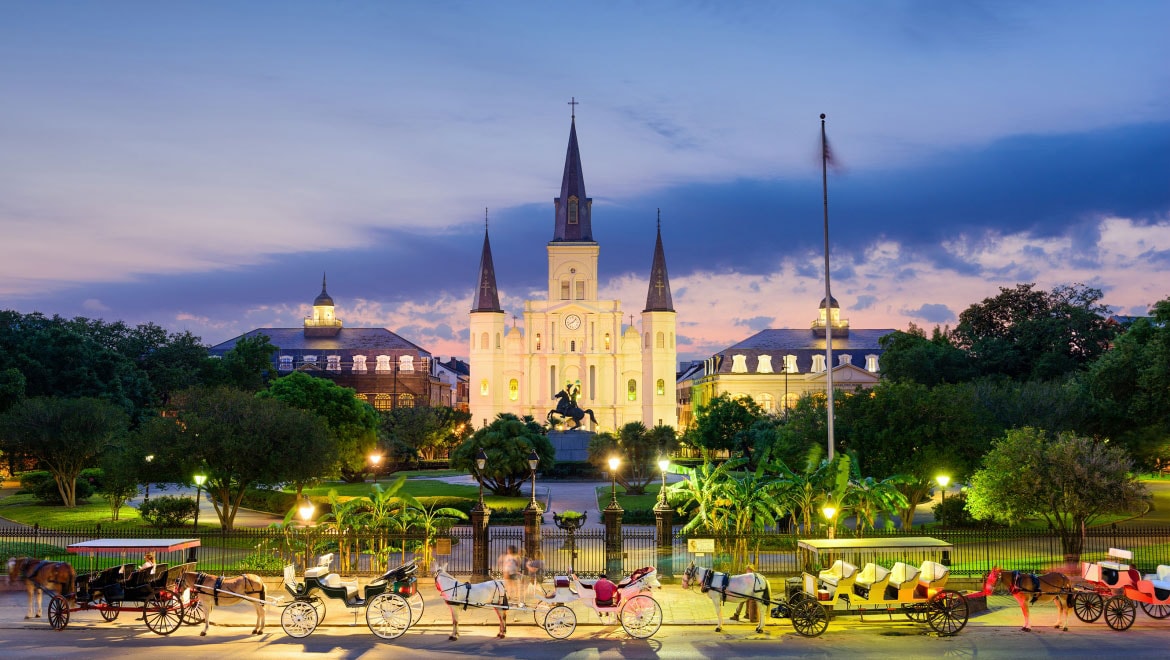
[56, 577]
[213, 590]
[1028, 588]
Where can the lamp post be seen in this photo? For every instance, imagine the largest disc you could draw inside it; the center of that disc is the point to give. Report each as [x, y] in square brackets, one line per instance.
[532, 512]
[306, 512]
[943, 480]
[612, 515]
[480, 463]
[146, 497]
[614, 462]
[829, 510]
[664, 525]
[533, 461]
[663, 465]
[375, 459]
[200, 479]
[480, 515]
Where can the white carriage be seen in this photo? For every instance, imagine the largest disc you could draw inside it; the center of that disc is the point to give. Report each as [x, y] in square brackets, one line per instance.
[639, 614]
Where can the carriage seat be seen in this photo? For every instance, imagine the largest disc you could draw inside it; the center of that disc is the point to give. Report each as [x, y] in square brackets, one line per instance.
[840, 570]
[933, 575]
[322, 567]
[870, 578]
[1120, 555]
[639, 574]
[334, 581]
[1162, 574]
[902, 577]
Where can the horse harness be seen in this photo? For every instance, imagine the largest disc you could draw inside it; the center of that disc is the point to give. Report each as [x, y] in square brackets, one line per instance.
[218, 586]
[30, 570]
[466, 602]
[709, 579]
[1030, 583]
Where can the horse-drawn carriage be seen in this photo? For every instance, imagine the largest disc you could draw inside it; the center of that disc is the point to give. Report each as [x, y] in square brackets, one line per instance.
[392, 603]
[637, 612]
[912, 584]
[109, 590]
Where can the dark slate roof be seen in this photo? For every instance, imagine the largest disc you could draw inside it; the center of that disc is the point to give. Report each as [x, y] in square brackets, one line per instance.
[803, 344]
[458, 366]
[573, 184]
[658, 297]
[487, 297]
[832, 303]
[347, 341]
[324, 298]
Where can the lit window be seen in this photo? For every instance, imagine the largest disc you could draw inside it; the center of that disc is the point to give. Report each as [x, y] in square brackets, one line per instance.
[790, 364]
[359, 364]
[764, 366]
[739, 364]
[538, 341]
[818, 364]
[483, 387]
[767, 402]
[844, 358]
[661, 387]
[286, 363]
[607, 341]
[790, 400]
[632, 390]
[405, 400]
[333, 363]
[383, 364]
[406, 363]
[383, 402]
[513, 389]
[871, 363]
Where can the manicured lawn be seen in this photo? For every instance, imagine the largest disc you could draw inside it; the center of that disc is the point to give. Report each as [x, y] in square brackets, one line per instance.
[416, 487]
[25, 509]
[628, 502]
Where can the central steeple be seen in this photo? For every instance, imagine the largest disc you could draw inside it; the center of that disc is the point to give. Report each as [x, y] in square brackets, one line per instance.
[573, 207]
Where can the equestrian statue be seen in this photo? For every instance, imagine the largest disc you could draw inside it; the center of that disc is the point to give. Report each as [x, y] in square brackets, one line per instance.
[567, 408]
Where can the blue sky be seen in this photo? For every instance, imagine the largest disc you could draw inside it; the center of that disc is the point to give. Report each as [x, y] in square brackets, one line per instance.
[200, 165]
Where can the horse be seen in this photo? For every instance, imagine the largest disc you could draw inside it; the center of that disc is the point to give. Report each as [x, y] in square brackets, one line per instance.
[567, 409]
[466, 594]
[213, 590]
[722, 588]
[40, 576]
[1049, 586]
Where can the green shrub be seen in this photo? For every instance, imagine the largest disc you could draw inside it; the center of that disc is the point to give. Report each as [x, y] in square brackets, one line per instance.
[94, 477]
[167, 511]
[262, 560]
[30, 480]
[270, 501]
[46, 491]
[952, 512]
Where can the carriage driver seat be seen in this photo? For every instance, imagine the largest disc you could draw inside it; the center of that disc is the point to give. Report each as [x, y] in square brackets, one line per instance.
[322, 567]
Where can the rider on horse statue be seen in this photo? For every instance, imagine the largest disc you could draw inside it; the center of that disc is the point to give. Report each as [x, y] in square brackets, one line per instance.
[567, 406]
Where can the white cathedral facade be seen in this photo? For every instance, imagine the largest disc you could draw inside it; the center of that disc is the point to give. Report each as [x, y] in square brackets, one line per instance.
[622, 372]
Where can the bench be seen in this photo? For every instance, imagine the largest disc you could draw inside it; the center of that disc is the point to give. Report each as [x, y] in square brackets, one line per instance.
[933, 575]
[871, 582]
[903, 581]
[334, 581]
[838, 577]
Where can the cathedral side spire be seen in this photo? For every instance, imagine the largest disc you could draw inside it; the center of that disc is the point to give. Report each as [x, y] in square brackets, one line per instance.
[573, 207]
[658, 297]
[487, 297]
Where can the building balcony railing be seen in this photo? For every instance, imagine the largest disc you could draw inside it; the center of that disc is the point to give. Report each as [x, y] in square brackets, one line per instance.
[324, 323]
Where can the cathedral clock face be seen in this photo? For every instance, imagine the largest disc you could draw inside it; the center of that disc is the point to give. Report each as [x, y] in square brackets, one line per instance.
[572, 321]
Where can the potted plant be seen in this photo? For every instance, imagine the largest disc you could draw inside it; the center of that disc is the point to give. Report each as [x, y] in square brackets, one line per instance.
[570, 521]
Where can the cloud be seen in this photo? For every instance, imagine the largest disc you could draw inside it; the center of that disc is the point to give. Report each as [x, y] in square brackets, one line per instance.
[755, 323]
[933, 312]
[94, 305]
[864, 302]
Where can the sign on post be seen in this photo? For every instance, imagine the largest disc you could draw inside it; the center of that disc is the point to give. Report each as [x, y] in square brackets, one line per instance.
[701, 546]
[442, 546]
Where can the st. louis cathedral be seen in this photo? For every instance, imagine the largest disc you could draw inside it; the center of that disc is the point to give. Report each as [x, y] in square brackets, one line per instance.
[572, 340]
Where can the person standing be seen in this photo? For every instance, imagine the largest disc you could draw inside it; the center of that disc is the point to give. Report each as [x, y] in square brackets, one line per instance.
[509, 568]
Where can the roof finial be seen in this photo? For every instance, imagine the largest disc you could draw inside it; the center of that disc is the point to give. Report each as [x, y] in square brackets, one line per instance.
[322, 281]
[485, 218]
[659, 219]
[574, 104]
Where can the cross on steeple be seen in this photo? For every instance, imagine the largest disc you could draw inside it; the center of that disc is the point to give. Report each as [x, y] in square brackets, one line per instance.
[486, 286]
[659, 285]
[573, 102]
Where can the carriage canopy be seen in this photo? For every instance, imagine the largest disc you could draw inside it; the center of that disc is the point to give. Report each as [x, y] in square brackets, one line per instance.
[815, 554]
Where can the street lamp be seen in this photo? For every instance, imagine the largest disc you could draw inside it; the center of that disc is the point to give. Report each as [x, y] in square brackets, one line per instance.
[306, 510]
[614, 462]
[663, 465]
[200, 479]
[146, 497]
[480, 463]
[829, 510]
[375, 459]
[533, 461]
[943, 480]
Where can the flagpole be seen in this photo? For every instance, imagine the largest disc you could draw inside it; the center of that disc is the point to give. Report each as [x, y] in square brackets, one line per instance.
[828, 295]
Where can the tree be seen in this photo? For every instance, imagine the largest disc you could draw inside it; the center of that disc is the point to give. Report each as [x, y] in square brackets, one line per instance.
[1067, 480]
[352, 424]
[247, 366]
[507, 441]
[725, 423]
[1026, 333]
[639, 450]
[121, 467]
[64, 435]
[239, 440]
[424, 432]
[910, 356]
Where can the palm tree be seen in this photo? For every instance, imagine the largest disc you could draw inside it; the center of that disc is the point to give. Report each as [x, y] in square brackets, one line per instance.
[340, 522]
[867, 498]
[757, 498]
[431, 520]
[703, 488]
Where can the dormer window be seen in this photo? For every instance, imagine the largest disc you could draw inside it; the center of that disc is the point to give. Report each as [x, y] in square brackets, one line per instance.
[818, 364]
[739, 364]
[286, 363]
[383, 364]
[764, 366]
[871, 363]
[359, 364]
[333, 363]
[844, 359]
[406, 363]
[573, 210]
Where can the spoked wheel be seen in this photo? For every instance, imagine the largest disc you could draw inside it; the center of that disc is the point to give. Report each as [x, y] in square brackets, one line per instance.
[947, 612]
[416, 607]
[1088, 605]
[318, 604]
[560, 622]
[1120, 612]
[163, 613]
[918, 613]
[194, 613]
[109, 610]
[299, 619]
[809, 619]
[641, 616]
[58, 613]
[540, 610]
[388, 616]
[1156, 611]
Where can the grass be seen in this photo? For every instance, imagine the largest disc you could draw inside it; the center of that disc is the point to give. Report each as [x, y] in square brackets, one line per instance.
[416, 487]
[628, 502]
[25, 509]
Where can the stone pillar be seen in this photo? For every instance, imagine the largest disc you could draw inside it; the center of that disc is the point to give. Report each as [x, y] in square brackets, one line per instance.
[612, 515]
[479, 540]
[532, 531]
[664, 526]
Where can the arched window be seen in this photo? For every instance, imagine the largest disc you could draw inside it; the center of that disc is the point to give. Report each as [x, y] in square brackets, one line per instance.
[405, 400]
[383, 402]
[513, 389]
[483, 341]
[661, 387]
[660, 340]
[767, 402]
[632, 390]
[538, 341]
[483, 387]
[607, 341]
[573, 346]
[572, 210]
[564, 289]
[498, 341]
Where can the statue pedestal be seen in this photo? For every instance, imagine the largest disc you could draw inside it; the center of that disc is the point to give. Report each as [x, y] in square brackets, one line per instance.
[570, 445]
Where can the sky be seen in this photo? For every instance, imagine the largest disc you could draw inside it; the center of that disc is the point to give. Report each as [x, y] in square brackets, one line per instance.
[200, 165]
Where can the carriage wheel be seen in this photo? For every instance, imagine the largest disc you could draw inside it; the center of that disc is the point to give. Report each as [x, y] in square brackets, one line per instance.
[947, 612]
[917, 613]
[1120, 612]
[540, 611]
[318, 604]
[560, 622]
[1088, 605]
[809, 619]
[388, 615]
[1156, 611]
[164, 613]
[58, 613]
[194, 613]
[109, 610]
[417, 605]
[641, 616]
[299, 619]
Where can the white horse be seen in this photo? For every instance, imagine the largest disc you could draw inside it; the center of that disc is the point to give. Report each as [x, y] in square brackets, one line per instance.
[734, 588]
[212, 590]
[465, 594]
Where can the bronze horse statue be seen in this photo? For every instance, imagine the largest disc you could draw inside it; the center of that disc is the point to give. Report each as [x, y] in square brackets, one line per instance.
[567, 409]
